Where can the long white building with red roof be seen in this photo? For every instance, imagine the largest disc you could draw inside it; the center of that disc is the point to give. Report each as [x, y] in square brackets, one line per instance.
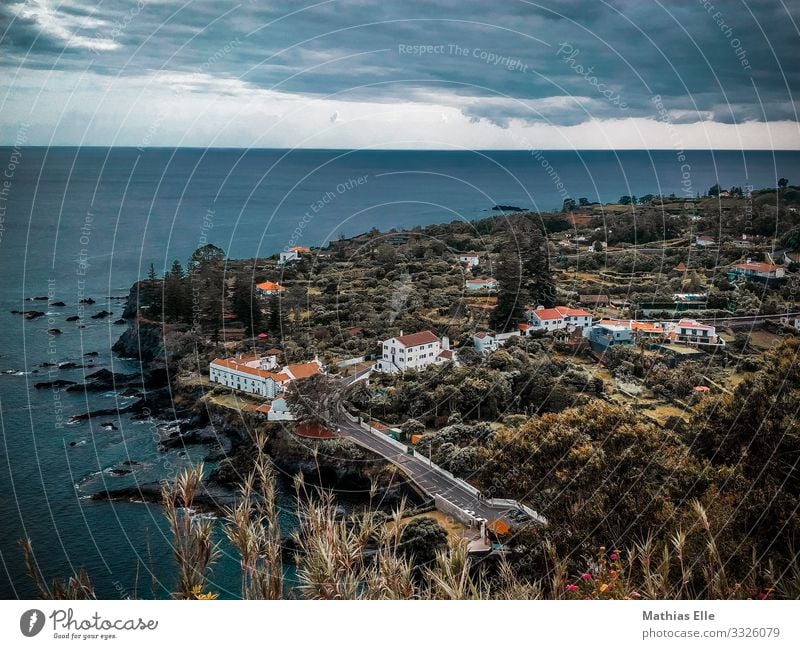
[413, 352]
[259, 374]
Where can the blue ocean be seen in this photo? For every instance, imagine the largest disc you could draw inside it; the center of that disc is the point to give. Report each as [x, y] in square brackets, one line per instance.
[87, 222]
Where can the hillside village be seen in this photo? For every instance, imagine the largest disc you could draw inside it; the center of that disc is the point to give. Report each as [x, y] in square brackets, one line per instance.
[394, 304]
[448, 349]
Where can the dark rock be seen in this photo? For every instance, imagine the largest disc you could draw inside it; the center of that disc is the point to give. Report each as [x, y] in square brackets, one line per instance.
[134, 301]
[38, 298]
[58, 383]
[46, 364]
[507, 208]
[92, 354]
[86, 300]
[29, 315]
[104, 380]
[54, 331]
[120, 472]
[73, 318]
[108, 426]
[102, 314]
[209, 498]
[120, 321]
[131, 463]
[59, 303]
[142, 341]
[128, 393]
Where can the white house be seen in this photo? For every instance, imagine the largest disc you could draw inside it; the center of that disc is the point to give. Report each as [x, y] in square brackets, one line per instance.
[484, 342]
[560, 317]
[413, 352]
[487, 284]
[469, 258]
[258, 375]
[756, 270]
[691, 332]
[279, 411]
[292, 254]
[270, 288]
[252, 374]
[703, 241]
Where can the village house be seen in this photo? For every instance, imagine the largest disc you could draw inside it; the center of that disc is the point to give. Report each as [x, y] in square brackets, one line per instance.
[594, 300]
[756, 271]
[270, 288]
[413, 352]
[259, 375]
[469, 258]
[488, 284]
[559, 317]
[608, 333]
[703, 241]
[484, 342]
[292, 254]
[691, 332]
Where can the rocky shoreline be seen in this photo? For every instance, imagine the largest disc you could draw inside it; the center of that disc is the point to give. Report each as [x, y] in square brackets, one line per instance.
[191, 420]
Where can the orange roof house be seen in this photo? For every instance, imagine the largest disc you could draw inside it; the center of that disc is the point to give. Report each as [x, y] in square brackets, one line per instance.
[270, 288]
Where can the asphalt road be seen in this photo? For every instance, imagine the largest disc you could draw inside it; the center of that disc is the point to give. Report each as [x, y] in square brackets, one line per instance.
[429, 480]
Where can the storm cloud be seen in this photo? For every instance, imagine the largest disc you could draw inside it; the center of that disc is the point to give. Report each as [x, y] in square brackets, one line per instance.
[433, 74]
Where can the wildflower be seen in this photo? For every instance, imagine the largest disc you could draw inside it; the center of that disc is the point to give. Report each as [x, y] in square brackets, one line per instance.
[613, 556]
[634, 595]
[572, 588]
[603, 588]
[586, 576]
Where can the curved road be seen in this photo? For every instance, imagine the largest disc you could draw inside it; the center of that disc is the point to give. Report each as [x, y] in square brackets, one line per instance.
[429, 480]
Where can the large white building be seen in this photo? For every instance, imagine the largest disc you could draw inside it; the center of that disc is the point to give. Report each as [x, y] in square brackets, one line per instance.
[559, 317]
[413, 352]
[259, 374]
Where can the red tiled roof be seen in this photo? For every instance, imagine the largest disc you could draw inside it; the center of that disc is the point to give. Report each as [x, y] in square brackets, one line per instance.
[270, 286]
[419, 338]
[489, 280]
[481, 335]
[547, 314]
[447, 353]
[304, 370]
[653, 327]
[566, 311]
[758, 266]
[523, 326]
[238, 365]
[299, 249]
[693, 325]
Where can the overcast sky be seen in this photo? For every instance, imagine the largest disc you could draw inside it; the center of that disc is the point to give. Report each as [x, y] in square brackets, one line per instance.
[401, 74]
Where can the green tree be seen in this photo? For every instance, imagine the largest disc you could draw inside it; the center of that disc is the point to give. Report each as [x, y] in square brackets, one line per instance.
[422, 539]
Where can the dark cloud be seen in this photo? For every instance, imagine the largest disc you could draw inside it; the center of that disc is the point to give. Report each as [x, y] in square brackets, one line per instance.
[732, 63]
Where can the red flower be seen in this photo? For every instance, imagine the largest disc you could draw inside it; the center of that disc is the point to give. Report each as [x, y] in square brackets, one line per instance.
[572, 588]
[586, 576]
